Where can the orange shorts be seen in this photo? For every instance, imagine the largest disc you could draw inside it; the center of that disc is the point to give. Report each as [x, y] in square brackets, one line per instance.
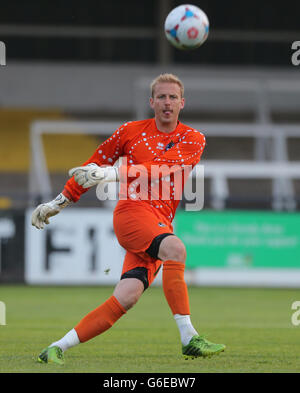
[136, 225]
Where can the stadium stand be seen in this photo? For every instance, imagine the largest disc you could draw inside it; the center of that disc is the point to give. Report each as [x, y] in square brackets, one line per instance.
[91, 69]
[15, 153]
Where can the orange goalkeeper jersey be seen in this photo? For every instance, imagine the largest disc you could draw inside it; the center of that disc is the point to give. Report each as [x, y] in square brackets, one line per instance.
[145, 147]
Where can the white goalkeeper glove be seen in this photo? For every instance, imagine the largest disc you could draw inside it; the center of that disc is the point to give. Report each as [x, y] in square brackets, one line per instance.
[92, 174]
[43, 212]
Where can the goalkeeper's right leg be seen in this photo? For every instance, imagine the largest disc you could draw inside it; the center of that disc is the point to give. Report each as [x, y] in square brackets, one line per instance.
[125, 295]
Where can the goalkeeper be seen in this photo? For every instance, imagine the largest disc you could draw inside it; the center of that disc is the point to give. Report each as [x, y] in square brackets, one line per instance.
[143, 225]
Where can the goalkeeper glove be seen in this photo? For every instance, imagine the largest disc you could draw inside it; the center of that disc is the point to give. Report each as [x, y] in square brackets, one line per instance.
[92, 174]
[43, 212]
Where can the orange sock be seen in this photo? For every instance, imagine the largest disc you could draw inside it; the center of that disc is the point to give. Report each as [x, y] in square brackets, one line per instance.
[175, 288]
[100, 319]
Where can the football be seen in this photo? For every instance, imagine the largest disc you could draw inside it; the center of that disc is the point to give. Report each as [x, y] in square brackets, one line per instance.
[186, 27]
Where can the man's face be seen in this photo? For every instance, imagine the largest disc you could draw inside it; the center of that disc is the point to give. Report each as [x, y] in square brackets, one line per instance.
[167, 102]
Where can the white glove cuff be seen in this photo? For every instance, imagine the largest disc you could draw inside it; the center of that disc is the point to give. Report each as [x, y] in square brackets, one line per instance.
[60, 201]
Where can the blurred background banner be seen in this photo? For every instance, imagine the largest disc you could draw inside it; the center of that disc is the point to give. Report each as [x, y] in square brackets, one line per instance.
[75, 72]
[12, 247]
[236, 248]
[79, 248]
[240, 239]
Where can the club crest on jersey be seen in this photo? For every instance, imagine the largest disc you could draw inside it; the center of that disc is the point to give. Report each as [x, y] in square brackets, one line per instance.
[169, 145]
[160, 224]
[160, 146]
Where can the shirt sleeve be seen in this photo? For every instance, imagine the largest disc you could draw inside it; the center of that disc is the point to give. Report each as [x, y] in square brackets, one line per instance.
[106, 154]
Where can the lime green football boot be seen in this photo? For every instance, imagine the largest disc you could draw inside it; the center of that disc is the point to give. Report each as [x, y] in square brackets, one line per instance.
[199, 346]
[52, 355]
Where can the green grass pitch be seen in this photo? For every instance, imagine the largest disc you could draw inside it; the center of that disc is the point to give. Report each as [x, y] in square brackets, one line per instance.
[255, 325]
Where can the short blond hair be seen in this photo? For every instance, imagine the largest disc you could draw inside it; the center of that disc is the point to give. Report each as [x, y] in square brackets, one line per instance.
[166, 78]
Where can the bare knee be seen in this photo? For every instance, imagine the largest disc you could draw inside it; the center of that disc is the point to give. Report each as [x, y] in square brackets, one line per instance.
[128, 292]
[172, 248]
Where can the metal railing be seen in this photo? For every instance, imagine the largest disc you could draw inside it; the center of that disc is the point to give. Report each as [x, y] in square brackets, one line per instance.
[280, 170]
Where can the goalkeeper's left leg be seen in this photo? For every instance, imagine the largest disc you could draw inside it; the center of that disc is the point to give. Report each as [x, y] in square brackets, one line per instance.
[172, 252]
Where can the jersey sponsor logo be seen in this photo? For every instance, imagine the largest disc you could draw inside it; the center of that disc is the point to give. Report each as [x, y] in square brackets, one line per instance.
[160, 224]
